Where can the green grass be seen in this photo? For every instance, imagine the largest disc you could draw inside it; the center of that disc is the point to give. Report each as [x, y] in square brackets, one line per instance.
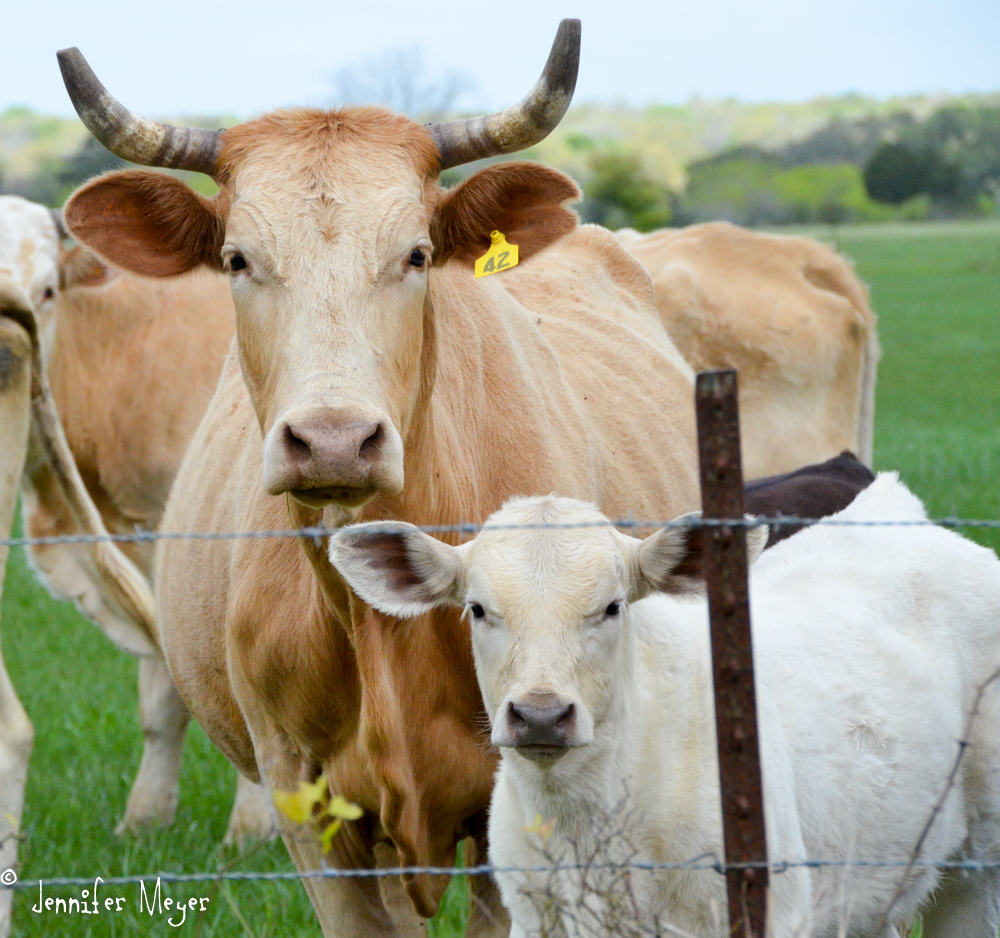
[937, 292]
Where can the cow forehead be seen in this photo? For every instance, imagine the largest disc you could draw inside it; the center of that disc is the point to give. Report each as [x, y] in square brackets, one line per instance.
[356, 200]
[29, 241]
[554, 558]
[357, 156]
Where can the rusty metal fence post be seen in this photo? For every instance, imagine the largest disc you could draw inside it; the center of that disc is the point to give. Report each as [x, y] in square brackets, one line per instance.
[732, 653]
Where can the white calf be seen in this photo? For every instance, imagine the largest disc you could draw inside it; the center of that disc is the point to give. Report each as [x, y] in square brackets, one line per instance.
[871, 645]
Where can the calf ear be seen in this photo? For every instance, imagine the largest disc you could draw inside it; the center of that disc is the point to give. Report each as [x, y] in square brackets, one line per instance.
[396, 568]
[149, 223]
[523, 200]
[672, 560]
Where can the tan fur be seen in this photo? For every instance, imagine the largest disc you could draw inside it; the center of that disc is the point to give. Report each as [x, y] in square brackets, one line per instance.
[791, 315]
[541, 378]
[132, 364]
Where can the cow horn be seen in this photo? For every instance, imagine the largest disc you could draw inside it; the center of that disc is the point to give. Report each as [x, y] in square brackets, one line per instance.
[128, 135]
[528, 121]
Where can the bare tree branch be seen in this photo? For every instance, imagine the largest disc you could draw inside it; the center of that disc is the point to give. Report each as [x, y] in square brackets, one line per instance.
[398, 79]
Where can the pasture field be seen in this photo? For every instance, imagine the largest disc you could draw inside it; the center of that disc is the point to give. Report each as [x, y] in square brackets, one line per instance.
[936, 290]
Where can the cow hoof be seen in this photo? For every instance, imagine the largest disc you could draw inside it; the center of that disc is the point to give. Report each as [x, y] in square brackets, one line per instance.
[138, 820]
[252, 818]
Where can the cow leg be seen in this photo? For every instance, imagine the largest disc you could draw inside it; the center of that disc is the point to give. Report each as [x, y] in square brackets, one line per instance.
[16, 732]
[346, 908]
[965, 905]
[252, 817]
[153, 799]
[488, 917]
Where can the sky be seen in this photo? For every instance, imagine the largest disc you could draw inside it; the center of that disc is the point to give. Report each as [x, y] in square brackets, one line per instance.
[244, 57]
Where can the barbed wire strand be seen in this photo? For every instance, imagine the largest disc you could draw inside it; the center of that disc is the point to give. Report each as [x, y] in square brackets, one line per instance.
[706, 862]
[472, 528]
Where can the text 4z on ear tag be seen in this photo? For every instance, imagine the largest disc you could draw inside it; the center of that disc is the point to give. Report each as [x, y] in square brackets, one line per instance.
[500, 256]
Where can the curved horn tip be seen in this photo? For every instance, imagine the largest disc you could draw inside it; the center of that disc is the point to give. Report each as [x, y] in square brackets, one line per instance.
[128, 135]
[527, 122]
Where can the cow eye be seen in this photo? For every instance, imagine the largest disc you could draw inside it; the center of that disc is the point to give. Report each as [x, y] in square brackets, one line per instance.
[49, 293]
[477, 611]
[613, 609]
[237, 262]
[418, 258]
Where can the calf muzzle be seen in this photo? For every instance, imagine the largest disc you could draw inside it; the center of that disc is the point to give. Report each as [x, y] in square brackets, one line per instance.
[541, 728]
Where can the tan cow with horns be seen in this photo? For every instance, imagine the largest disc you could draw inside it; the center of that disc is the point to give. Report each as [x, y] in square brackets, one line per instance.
[374, 377]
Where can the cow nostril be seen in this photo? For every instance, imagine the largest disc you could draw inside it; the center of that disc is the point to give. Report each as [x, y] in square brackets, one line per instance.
[516, 718]
[566, 718]
[373, 443]
[296, 447]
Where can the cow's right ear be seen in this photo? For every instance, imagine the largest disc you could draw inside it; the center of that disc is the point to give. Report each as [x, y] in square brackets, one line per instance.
[147, 223]
[397, 568]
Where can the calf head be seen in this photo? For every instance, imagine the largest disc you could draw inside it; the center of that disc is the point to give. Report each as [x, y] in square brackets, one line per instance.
[327, 223]
[546, 586]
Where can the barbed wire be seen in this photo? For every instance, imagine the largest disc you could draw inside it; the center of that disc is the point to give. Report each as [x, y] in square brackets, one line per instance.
[464, 527]
[705, 862]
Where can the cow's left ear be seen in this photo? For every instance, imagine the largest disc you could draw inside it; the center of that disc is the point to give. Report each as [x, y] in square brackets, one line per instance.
[523, 200]
[397, 568]
[672, 560]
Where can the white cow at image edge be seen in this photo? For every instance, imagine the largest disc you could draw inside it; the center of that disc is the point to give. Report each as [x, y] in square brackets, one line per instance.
[871, 645]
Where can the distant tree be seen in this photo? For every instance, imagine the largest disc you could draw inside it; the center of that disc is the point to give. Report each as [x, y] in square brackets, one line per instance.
[398, 79]
[620, 194]
[894, 174]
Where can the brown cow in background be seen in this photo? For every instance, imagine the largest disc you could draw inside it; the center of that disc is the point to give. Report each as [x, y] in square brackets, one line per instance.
[791, 316]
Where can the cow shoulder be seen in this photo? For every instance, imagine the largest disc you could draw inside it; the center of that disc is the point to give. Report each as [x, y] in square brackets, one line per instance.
[147, 223]
[523, 200]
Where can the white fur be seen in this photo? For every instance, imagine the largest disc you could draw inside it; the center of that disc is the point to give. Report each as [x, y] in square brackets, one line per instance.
[870, 646]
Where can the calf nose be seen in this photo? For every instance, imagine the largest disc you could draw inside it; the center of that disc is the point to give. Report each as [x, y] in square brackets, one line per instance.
[547, 724]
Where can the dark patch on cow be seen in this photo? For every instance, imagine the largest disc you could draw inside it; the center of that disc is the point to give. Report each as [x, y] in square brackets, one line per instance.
[11, 365]
[810, 492]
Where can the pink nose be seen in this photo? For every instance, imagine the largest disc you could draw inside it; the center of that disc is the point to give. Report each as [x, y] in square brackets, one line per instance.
[328, 455]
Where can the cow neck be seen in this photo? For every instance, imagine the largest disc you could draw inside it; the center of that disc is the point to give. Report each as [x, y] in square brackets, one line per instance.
[417, 676]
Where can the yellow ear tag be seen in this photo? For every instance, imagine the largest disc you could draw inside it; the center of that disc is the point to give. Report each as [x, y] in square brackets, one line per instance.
[500, 256]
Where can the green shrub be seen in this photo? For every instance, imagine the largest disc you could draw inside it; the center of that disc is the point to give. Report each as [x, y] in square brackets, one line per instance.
[620, 194]
[753, 188]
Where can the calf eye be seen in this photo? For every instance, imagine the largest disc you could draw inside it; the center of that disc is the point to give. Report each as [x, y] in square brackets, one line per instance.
[237, 262]
[417, 258]
[49, 293]
[477, 611]
[613, 609]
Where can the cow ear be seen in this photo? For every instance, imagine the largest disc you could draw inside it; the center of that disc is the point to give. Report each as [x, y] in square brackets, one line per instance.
[670, 561]
[397, 568]
[78, 267]
[522, 200]
[673, 561]
[148, 223]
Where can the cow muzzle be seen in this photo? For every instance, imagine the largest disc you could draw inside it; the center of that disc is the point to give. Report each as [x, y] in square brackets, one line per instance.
[541, 727]
[330, 455]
